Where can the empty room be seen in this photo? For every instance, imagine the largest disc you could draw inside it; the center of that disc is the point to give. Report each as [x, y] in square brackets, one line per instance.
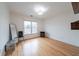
[39, 28]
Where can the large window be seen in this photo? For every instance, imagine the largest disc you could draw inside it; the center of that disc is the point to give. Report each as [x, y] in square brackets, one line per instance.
[30, 27]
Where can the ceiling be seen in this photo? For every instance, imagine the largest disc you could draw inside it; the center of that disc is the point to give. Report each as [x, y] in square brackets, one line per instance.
[27, 8]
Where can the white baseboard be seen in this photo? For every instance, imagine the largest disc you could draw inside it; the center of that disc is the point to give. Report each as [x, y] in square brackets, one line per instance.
[64, 41]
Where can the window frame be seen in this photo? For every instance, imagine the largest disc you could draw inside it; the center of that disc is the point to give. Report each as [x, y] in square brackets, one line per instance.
[31, 28]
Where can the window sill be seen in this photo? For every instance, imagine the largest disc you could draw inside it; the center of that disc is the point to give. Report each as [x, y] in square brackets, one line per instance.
[31, 34]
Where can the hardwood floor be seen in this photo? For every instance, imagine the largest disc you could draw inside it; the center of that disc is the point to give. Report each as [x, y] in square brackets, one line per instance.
[44, 47]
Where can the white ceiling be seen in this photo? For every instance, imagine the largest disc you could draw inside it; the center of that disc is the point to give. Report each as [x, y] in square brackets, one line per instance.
[27, 8]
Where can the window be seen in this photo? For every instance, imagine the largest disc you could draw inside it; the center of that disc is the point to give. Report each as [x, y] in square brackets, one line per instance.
[34, 27]
[30, 27]
[27, 27]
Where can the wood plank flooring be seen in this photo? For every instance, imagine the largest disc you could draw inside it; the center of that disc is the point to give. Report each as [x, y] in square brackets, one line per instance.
[44, 47]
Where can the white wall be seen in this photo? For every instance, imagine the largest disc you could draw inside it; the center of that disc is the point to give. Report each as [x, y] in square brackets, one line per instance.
[19, 19]
[4, 26]
[58, 27]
